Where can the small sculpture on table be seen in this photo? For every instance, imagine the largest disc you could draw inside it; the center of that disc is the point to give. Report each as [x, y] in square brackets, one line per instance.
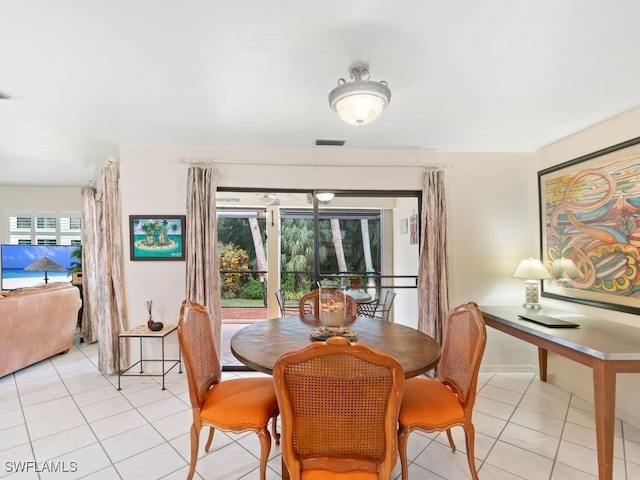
[148, 305]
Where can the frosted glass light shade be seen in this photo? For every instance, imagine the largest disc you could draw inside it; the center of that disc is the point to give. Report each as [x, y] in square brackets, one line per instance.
[324, 196]
[360, 109]
[361, 101]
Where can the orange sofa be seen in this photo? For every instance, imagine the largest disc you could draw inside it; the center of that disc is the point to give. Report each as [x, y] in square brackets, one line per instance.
[36, 323]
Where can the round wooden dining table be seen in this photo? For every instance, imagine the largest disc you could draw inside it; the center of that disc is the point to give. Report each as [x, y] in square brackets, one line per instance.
[260, 344]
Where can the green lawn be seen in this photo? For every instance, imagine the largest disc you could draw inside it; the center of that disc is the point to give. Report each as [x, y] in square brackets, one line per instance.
[242, 302]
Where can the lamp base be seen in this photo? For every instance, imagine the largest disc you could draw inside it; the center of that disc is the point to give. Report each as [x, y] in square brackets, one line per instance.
[533, 306]
[532, 299]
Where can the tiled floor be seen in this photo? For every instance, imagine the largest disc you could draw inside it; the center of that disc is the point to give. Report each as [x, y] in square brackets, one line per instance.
[64, 413]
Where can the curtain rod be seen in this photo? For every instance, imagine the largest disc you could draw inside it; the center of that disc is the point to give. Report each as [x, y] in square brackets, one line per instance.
[109, 161]
[210, 162]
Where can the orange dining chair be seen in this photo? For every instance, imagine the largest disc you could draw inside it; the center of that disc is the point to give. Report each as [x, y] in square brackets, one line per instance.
[339, 406]
[310, 305]
[434, 405]
[238, 405]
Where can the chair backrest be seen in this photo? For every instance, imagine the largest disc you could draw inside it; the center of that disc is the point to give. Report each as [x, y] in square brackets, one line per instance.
[199, 352]
[280, 300]
[339, 404]
[463, 342]
[384, 309]
[309, 305]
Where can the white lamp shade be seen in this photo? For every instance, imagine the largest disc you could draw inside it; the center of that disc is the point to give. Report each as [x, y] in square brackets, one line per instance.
[564, 268]
[360, 109]
[531, 268]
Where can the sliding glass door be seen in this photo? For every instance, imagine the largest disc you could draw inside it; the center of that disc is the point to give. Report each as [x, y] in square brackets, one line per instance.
[291, 240]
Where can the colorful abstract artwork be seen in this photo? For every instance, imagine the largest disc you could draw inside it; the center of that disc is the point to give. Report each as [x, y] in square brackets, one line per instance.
[590, 218]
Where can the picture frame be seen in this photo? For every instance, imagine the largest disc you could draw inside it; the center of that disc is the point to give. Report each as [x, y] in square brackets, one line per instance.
[157, 237]
[404, 226]
[590, 228]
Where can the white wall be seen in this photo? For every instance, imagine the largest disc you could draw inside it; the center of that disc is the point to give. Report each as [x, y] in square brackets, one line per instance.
[153, 181]
[570, 375]
[43, 199]
[491, 202]
[492, 221]
[492, 218]
[405, 306]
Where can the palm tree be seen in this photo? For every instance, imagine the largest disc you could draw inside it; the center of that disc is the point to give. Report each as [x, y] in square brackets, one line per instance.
[76, 266]
[296, 237]
[149, 229]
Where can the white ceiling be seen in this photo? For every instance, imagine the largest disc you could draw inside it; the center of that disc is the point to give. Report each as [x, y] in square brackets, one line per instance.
[490, 75]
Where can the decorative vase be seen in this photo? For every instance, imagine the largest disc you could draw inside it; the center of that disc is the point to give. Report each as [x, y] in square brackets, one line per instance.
[149, 305]
[332, 305]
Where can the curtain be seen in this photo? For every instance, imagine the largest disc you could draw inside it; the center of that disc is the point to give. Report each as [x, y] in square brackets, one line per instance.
[433, 271]
[89, 328]
[202, 262]
[104, 313]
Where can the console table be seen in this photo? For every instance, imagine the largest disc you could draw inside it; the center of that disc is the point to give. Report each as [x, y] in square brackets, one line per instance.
[607, 347]
[140, 332]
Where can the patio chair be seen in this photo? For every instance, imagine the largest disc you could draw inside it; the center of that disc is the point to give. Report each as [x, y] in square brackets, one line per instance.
[280, 299]
[375, 309]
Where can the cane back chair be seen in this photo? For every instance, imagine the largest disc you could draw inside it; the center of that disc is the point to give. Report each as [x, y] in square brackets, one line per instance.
[438, 404]
[238, 405]
[309, 305]
[339, 403]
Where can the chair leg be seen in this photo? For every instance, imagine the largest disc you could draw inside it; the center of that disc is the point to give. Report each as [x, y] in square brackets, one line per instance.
[209, 440]
[195, 438]
[274, 429]
[469, 435]
[265, 448]
[451, 442]
[403, 438]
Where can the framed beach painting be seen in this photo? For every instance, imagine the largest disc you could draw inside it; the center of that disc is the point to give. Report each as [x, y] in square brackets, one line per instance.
[157, 237]
[590, 228]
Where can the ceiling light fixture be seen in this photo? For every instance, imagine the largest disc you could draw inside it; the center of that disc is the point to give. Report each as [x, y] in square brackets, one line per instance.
[361, 101]
[324, 196]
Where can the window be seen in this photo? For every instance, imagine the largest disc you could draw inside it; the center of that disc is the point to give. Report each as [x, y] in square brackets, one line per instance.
[45, 228]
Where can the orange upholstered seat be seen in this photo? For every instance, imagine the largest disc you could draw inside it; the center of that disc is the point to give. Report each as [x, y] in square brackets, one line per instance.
[439, 404]
[238, 405]
[321, 474]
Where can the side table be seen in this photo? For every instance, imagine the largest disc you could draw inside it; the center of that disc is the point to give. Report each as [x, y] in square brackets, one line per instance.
[141, 332]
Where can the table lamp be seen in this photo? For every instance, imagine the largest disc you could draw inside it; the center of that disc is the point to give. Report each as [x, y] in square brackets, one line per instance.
[564, 269]
[533, 271]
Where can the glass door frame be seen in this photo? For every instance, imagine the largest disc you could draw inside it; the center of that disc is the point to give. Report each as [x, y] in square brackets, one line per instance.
[316, 204]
